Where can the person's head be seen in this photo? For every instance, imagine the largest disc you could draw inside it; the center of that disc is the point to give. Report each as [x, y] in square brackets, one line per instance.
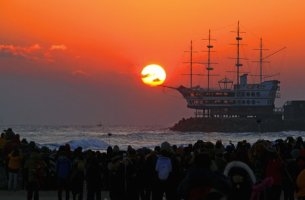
[157, 149]
[116, 149]
[15, 152]
[202, 160]
[166, 149]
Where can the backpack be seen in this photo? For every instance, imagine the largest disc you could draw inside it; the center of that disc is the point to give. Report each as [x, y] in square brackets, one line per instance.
[63, 167]
[78, 168]
[163, 167]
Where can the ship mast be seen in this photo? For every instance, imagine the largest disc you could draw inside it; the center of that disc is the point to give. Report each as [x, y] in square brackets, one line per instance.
[261, 60]
[238, 64]
[209, 68]
[191, 63]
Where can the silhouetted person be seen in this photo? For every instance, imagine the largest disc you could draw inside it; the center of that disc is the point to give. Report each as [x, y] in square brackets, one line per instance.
[63, 170]
[93, 178]
[202, 183]
[33, 168]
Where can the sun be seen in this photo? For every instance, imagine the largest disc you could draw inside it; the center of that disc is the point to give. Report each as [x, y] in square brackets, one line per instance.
[153, 75]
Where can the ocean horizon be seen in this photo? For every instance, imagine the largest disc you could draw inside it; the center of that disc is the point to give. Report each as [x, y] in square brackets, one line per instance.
[100, 137]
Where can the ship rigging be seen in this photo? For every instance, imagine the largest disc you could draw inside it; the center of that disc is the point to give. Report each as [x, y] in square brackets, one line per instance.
[242, 99]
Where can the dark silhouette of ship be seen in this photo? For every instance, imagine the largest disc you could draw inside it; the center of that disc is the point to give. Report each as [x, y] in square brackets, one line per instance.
[239, 106]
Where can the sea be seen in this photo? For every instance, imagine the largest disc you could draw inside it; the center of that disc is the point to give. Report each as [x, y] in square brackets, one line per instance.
[98, 138]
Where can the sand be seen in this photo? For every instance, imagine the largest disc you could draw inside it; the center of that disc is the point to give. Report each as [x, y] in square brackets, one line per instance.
[43, 195]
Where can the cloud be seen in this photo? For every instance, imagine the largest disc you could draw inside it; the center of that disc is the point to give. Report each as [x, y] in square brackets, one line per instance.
[18, 51]
[34, 52]
[58, 47]
[80, 73]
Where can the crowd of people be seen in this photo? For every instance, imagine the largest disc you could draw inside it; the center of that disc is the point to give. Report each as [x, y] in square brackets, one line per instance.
[264, 170]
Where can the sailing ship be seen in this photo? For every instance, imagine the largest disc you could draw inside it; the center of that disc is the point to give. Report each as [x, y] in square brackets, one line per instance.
[241, 105]
[242, 99]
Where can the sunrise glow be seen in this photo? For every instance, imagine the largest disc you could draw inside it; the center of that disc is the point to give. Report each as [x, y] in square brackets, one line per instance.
[58, 55]
[153, 75]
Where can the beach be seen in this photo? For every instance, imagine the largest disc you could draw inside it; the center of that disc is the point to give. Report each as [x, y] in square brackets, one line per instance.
[43, 195]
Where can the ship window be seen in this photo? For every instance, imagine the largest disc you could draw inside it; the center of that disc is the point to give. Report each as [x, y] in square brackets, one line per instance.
[253, 101]
[243, 102]
[248, 94]
[248, 102]
[242, 94]
[252, 94]
[258, 94]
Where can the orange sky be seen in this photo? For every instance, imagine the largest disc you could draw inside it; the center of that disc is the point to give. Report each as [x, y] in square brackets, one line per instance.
[81, 60]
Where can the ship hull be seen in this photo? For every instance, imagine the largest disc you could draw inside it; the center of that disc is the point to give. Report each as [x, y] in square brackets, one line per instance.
[257, 125]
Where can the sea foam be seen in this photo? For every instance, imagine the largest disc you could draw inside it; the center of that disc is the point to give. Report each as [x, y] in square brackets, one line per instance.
[85, 144]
